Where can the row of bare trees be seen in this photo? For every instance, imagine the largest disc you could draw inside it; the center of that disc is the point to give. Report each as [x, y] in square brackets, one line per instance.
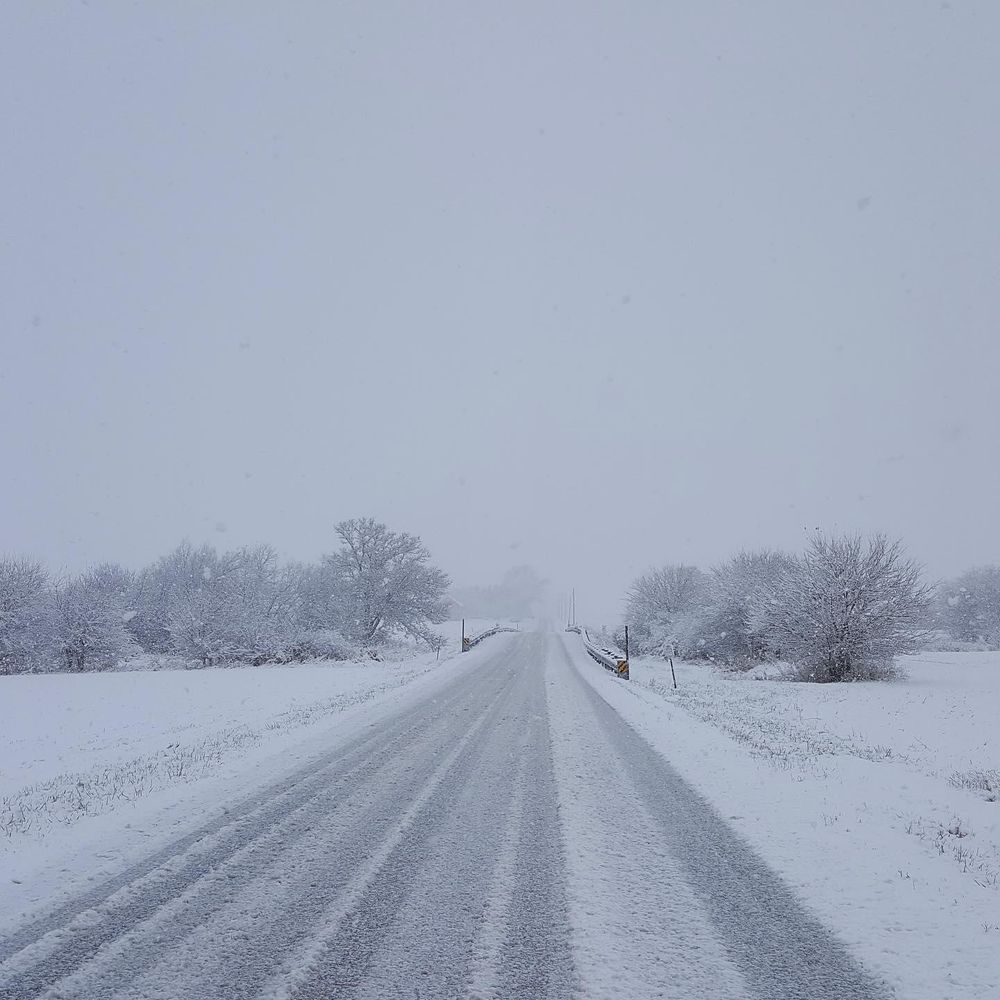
[969, 607]
[213, 607]
[841, 610]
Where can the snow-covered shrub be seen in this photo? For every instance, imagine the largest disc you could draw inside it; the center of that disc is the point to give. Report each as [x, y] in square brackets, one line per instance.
[844, 609]
[324, 644]
[239, 606]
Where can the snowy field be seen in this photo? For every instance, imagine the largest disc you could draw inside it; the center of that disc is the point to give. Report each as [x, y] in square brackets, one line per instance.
[96, 769]
[54, 724]
[73, 745]
[940, 720]
[877, 801]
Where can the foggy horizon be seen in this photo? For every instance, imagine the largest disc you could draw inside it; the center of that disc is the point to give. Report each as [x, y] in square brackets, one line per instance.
[588, 291]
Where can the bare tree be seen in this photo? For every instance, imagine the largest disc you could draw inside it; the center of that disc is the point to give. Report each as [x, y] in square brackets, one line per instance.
[239, 606]
[659, 600]
[723, 630]
[198, 604]
[154, 589]
[385, 583]
[87, 620]
[845, 609]
[320, 613]
[22, 614]
[969, 607]
[259, 615]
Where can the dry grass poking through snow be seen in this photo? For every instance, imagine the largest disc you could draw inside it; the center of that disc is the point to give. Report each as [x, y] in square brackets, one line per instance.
[931, 738]
[69, 797]
[986, 783]
[778, 733]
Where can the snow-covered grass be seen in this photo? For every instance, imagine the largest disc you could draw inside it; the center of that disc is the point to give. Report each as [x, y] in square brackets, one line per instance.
[246, 728]
[876, 801]
[940, 719]
[77, 745]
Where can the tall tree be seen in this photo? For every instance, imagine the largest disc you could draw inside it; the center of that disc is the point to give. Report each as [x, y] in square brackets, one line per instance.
[657, 601]
[724, 628]
[88, 619]
[385, 583]
[22, 614]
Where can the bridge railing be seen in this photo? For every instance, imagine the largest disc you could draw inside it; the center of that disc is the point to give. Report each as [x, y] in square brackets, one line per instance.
[610, 659]
[468, 641]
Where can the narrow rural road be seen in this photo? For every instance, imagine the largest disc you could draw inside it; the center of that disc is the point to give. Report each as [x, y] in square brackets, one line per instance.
[512, 837]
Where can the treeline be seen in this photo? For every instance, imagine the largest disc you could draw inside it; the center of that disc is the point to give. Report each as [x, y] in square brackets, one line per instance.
[841, 610]
[211, 607]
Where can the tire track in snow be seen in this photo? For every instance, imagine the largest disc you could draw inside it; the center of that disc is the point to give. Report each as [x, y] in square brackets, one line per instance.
[226, 957]
[638, 928]
[782, 951]
[413, 929]
[536, 958]
[52, 947]
[273, 879]
[488, 944]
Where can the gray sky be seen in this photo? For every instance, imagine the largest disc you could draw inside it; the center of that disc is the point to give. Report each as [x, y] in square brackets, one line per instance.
[589, 286]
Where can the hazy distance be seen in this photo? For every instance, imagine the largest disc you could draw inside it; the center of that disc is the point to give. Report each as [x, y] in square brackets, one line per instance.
[582, 289]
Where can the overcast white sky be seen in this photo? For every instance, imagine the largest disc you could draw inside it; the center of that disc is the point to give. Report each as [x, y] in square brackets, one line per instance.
[588, 286]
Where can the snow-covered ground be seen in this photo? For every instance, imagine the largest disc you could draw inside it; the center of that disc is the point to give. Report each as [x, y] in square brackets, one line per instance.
[53, 726]
[872, 800]
[96, 769]
[505, 834]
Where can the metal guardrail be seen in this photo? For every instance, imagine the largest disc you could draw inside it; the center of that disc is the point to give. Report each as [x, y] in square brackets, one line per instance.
[468, 641]
[607, 658]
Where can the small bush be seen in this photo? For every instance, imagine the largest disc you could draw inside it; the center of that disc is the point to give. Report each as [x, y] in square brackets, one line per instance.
[845, 609]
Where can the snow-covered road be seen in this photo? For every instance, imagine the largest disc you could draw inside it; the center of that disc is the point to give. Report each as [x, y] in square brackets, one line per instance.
[509, 837]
